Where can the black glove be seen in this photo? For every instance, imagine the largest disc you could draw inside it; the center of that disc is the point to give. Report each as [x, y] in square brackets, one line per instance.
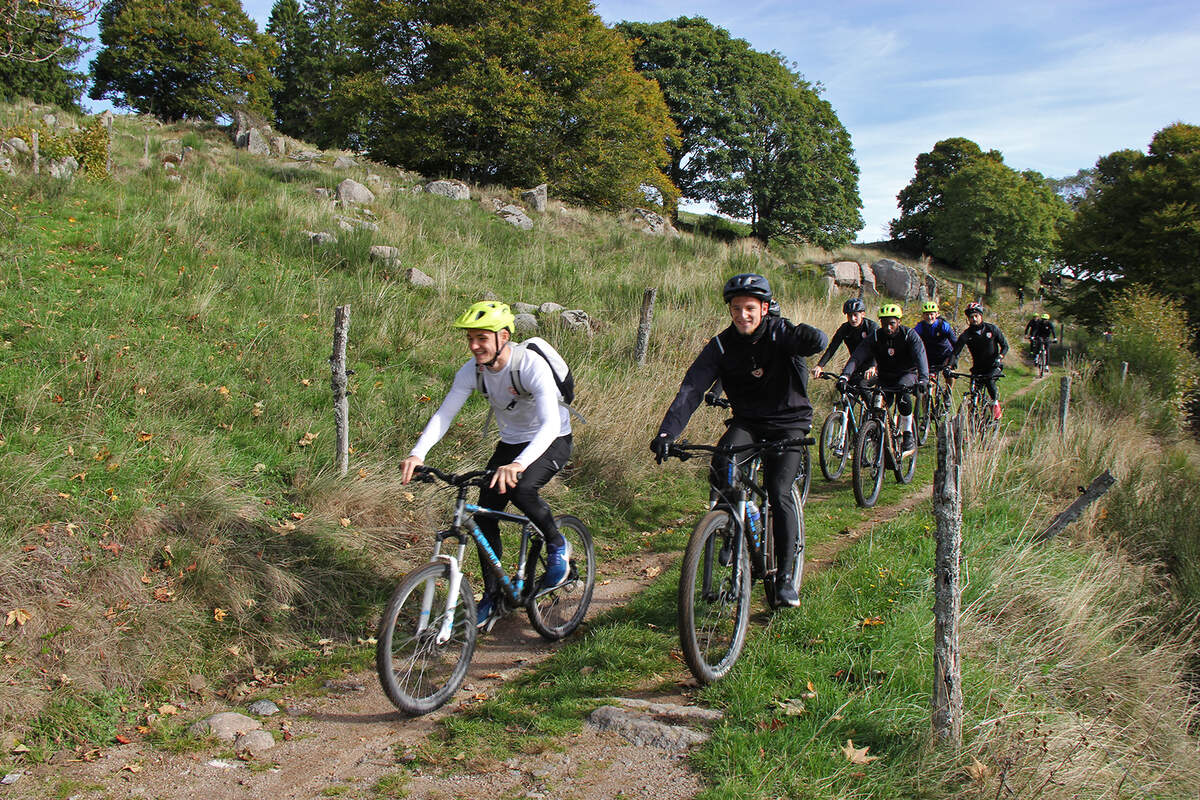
[946, 373]
[661, 445]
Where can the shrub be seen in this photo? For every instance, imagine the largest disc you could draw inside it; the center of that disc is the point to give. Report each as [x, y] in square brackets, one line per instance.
[1150, 332]
[88, 144]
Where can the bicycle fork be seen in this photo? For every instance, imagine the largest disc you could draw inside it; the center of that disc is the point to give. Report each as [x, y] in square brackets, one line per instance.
[447, 626]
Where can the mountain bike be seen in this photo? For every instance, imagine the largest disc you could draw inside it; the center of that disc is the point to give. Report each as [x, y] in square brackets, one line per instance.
[840, 430]
[803, 474]
[980, 418]
[878, 446]
[1041, 354]
[730, 547]
[428, 630]
[934, 405]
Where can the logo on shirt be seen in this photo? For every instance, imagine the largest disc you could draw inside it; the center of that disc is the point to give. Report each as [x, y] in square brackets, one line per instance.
[891, 351]
[758, 373]
[989, 334]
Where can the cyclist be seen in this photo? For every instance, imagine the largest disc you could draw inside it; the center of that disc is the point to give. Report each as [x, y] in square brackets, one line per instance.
[896, 355]
[753, 358]
[988, 348]
[853, 331]
[535, 436]
[938, 337]
[1040, 331]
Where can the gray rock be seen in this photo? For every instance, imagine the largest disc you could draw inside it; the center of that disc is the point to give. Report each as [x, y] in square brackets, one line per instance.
[672, 712]
[344, 162]
[389, 255]
[227, 726]
[536, 197]
[348, 224]
[516, 216]
[550, 308]
[106, 119]
[455, 190]
[576, 320]
[279, 146]
[829, 285]
[169, 166]
[322, 192]
[6, 166]
[845, 273]
[263, 708]
[525, 323]
[319, 237]
[49, 120]
[253, 743]
[256, 143]
[417, 278]
[64, 168]
[351, 191]
[174, 178]
[868, 279]
[19, 146]
[524, 308]
[307, 155]
[642, 730]
[653, 223]
[896, 279]
[11, 778]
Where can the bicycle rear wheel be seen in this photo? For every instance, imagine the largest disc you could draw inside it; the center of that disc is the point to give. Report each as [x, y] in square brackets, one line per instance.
[417, 671]
[924, 416]
[798, 567]
[867, 467]
[557, 612]
[905, 467]
[714, 597]
[834, 446]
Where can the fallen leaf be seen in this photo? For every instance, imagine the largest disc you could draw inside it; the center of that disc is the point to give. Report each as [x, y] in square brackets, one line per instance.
[285, 526]
[978, 771]
[112, 466]
[122, 739]
[408, 496]
[306, 382]
[792, 708]
[133, 767]
[307, 439]
[257, 411]
[345, 522]
[18, 617]
[112, 547]
[857, 755]
[424, 398]
[143, 436]
[167, 710]
[362, 472]
[650, 572]
[101, 454]
[872, 621]
[164, 595]
[223, 391]
[79, 476]
[297, 515]
[219, 614]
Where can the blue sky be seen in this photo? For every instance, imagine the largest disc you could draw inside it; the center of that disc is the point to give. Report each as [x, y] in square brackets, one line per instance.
[1052, 84]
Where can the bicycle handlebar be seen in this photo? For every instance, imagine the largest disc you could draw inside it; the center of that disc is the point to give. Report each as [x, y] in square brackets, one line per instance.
[479, 477]
[684, 450]
[972, 375]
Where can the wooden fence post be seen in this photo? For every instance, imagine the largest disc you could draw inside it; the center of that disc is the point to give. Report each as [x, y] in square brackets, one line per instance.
[1124, 371]
[947, 601]
[37, 154]
[643, 333]
[341, 403]
[1064, 402]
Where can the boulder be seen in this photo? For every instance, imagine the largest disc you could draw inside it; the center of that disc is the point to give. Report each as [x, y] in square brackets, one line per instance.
[227, 726]
[263, 708]
[417, 278]
[106, 119]
[652, 223]
[455, 190]
[351, 191]
[307, 155]
[256, 143]
[322, 192]
[319, 237]
[516, 216]
[524, 308]
[868, 280]
[64, 168]
[525, 323]
[536, 197]
[388, 255]
[49, 120]
[845, 273]
[18, 145]
[550, 308]
[897, 280]
[279, 146]
[344, 162]
[576, 320]
[348, 224]
[253, 743]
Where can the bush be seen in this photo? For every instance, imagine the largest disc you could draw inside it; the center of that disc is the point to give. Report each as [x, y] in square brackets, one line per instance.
[1150, 332]
[88, 144]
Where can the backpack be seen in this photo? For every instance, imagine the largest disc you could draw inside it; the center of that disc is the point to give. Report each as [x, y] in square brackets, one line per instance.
[564, 379]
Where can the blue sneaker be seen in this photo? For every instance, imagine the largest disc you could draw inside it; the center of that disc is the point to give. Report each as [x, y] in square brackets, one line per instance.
[483, 611]
[558, 565]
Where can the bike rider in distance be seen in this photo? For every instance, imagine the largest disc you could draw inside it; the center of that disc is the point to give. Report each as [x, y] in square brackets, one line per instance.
[753, 358]
[895, 356]
[1040, 331]
[535, 437]
[988, 348]
[938, 338]
[853, 332]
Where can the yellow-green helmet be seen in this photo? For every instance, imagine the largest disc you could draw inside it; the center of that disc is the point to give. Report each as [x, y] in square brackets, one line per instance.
[929, 305]
[486, 315]
[890, 310]
[1045, 316]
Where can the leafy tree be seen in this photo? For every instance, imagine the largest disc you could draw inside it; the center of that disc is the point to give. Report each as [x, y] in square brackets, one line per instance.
[182, 58]
[43, 30]
[297, 93]
[1074, 188]
[51, 46]
[515, 92]
[756, 139]
[995, 221]
[921, 200]
[1140, 224]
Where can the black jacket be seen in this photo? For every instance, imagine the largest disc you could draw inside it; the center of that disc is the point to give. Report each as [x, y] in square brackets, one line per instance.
[757, 372]
[986, 343]
[849, 334]
[899, 354]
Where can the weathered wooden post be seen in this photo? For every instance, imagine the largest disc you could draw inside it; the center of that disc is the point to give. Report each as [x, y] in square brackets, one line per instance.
[957, 298]
[1124, 372]
[341, 403]
[1064, 402]
[947, 512]
[37, 153]
[108, 125]
[643, 334]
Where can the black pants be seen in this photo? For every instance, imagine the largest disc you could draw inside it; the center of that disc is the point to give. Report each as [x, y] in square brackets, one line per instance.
[779, 471]
[987, 376]
[524, 496]
[904, 400]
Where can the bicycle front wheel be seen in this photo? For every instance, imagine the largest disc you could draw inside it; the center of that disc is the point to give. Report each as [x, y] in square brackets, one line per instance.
[905, 467]
[714, 597]
[834, 446]
[556, 612]
[421, 665]
[867, 467]
[804, 475]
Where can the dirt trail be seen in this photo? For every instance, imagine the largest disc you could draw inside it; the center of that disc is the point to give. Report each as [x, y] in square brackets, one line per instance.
[344, 742]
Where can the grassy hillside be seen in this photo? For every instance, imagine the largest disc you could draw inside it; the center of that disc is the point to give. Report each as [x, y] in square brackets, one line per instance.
[172, 508]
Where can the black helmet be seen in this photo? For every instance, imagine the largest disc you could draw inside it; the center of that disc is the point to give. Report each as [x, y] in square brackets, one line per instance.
[854, 305]
[748, 283]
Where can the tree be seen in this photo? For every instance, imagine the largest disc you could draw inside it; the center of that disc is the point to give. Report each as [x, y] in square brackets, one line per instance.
[50, 44]
[756, 139]
[516, 92]
[297, 94]
[921, 200]
[1140, 224]
[994, 220]
[182, 58]
[41, 30]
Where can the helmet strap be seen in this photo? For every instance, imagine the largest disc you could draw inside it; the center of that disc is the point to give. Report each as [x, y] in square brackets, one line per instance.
[499, 351]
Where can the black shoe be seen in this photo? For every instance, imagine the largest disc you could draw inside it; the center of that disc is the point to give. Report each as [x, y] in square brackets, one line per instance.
[908, 444]
[785, 593]
[725, 557]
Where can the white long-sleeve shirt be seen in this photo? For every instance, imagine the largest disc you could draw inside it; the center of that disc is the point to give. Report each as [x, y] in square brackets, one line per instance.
[537, 418]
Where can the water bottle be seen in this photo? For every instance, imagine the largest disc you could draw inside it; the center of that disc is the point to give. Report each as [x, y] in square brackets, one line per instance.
[754, 516]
